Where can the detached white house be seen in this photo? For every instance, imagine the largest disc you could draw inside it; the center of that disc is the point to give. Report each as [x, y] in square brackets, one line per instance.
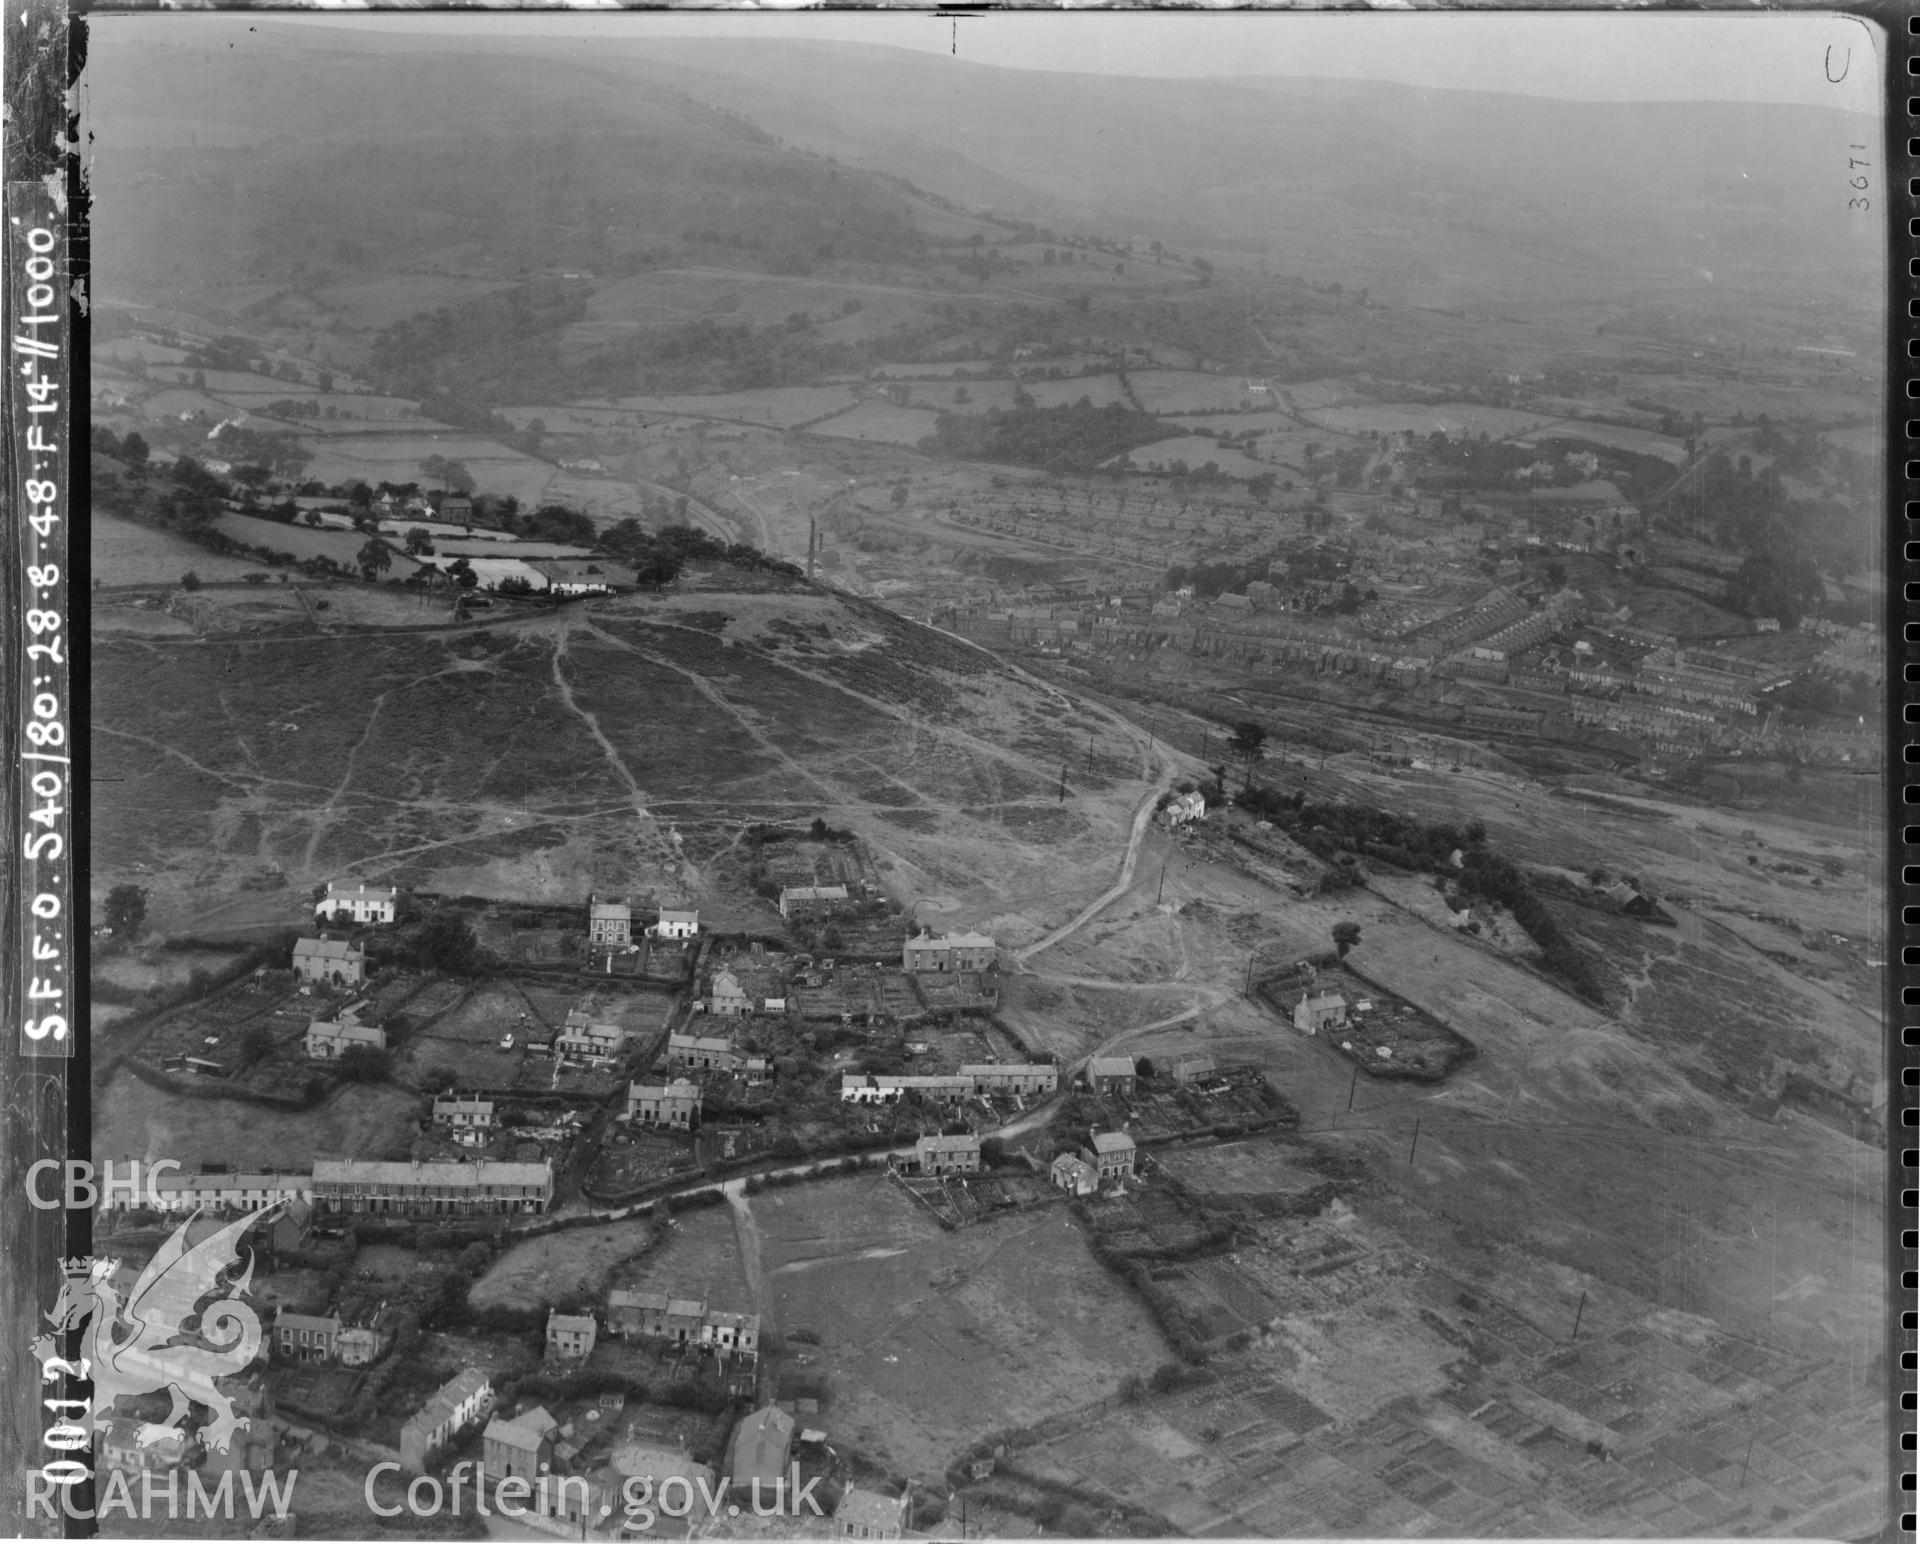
[357, 902]
[676, 924]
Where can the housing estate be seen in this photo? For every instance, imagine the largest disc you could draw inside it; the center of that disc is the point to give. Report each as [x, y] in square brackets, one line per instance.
[433, 1188]
[329, 962]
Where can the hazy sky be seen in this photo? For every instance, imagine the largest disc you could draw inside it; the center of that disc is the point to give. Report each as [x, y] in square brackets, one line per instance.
[1763, 57]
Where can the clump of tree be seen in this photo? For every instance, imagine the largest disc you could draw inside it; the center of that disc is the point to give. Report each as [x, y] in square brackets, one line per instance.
[1067, 437]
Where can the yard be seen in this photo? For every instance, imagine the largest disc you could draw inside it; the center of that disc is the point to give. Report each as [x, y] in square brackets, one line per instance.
[930, 1340]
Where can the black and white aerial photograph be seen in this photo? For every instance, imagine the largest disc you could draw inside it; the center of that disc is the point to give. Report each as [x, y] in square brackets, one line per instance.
[887, 776]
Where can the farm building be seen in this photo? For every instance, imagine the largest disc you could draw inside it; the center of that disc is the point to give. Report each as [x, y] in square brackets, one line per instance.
[707, 1053]
[329, 1040]
[345, 902]
[464, 1115]
[1111, 1154]
[761, 1443]
[866, 1514]
[572, 576]
[947, 952]
[675, 1105]
[457, 1405]
[609, 920]
[803, 902]
[570, 1334]
[948, 1155]
[725, 995]
[518, 1449]
[329, 962]
[676, 924]
[1074, 1175]
[1318, 1011]
[432, 1188]
[305, 1337]
[1112, 1075]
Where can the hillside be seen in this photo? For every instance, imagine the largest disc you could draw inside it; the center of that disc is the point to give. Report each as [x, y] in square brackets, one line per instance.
[618, 747]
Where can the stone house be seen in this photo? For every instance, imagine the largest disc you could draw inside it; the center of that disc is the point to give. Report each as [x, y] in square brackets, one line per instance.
[458, 1403]
[570, 1334]
[329, 962]
[1112, 1075]
[948, 1155]
[674, 1105]
[1074, 1175]
[609, 920]
[1318, 1011]
[1111, 1153]
[362, 903]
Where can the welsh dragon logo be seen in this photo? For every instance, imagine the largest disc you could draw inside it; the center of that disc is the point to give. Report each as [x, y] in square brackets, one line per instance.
[140, 1347]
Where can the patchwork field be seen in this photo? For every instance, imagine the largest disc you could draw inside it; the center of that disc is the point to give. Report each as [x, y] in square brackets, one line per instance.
[121, 552]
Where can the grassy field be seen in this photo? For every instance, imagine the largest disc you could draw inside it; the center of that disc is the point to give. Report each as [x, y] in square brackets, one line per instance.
[1196, 450]
[881, 421]
[931, 1340]
[562, 1266]
[124, 553]
[132, 1119]
[1180, 391]
[1641, 441]
[698, 1257]
[778, 406]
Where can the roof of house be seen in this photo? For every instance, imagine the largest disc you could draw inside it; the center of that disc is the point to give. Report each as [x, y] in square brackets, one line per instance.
[955, 1144]
[725, 980]
[370, 1171]
[517, 1433]
[578, 1323]
[685, 1308]
[738, 1321]
[760, 1442]
[327, 949]
[1324, 1000]
[699, 1043]
[1110, 1067]
[814, 893]
[1112, 1142]
[658, 1462]
[1067, 1163]
[870, 1509]
[461, 1387]
[679, 1088]
[1195, 1059]
[326, 1323]
[969, 941]
[680, 916]
[463, 1106]
[621, 1298]
[614, 906]
[363, 890]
